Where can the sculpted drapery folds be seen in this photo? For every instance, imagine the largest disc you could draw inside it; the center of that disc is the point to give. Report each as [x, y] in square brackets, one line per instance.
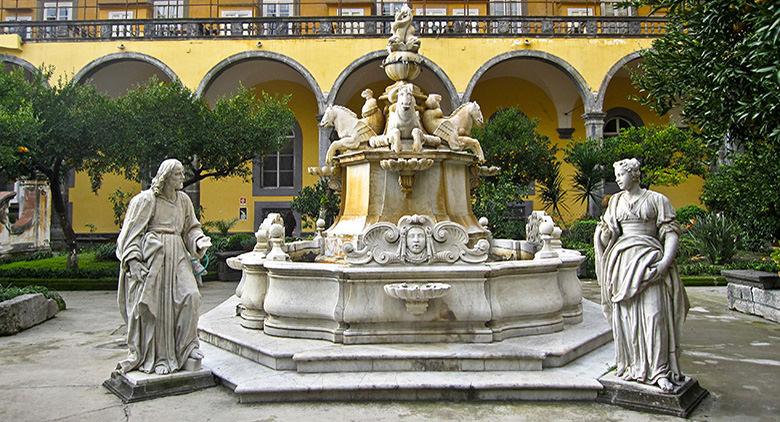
[158, 294]
[641, 292]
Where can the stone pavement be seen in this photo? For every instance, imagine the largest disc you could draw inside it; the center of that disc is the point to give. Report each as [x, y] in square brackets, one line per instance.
[54, 371]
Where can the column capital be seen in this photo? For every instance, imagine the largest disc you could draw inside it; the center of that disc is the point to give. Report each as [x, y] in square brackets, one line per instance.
[594, 116]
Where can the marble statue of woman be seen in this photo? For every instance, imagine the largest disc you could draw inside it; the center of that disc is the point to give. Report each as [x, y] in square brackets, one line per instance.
[641, 292]
[158, 295]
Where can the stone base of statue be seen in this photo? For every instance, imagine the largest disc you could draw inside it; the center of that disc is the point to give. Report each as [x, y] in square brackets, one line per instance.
[649, 398]
[136, 386]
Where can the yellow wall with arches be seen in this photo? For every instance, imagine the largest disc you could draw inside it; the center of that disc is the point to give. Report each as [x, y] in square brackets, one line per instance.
[325, 59]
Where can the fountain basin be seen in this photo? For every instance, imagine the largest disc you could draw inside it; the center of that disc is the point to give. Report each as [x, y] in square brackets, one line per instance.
[485, 303]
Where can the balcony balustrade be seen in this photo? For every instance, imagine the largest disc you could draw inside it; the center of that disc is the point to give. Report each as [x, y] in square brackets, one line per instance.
[139, 19]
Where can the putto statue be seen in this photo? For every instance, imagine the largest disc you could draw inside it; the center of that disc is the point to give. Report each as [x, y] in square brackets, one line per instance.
[158, 295]
[641, 292]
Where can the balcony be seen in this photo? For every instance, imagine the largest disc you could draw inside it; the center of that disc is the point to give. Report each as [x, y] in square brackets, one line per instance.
[155, 20]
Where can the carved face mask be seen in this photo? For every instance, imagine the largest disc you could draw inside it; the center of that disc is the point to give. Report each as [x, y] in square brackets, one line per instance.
[415, 240]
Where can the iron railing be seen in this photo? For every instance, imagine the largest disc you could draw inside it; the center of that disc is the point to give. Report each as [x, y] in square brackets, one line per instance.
[354, 27]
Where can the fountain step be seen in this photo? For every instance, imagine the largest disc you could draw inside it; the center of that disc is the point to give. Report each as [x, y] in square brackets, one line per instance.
[256, 383]
[221, 328]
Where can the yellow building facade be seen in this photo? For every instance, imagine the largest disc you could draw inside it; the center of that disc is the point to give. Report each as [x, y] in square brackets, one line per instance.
[569, 71]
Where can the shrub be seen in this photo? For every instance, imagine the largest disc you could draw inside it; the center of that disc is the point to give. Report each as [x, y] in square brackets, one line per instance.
[317, 201]
[743, 191]
[581, 231]
[106, 252]
[688, 214]
[10, 292]
[588, 266]
[221, 227]
[716, 237]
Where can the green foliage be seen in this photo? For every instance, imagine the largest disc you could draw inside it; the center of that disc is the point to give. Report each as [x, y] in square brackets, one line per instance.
[775, 256]
[56, 267]
[718, 61]
[688, 214]
[317, 201]
[167, 120]
[668, 154]
[716, 237]
[221, 227]
[588, 268]
[119, 203]
[10, 292]
[581, 231]
[49, 131]
[589, 162]
[510, 141]
[105, 252]
[551, 192]
[492, 199]
[745, 191]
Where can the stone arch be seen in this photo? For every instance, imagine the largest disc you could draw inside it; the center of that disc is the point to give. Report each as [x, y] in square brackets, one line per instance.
[92, 67]
[380, 54]
[223, 65]
[599, 100]
[16, 61]
[579, 82]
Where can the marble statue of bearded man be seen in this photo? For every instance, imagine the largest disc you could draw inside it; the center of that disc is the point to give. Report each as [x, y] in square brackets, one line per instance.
[158, 295]
[641, 292]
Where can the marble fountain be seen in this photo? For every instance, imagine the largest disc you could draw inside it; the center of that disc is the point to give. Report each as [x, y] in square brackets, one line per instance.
[407, 296]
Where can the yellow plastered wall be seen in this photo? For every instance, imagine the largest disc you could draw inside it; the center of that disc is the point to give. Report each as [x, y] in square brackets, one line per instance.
[221, 198]
[96, 209]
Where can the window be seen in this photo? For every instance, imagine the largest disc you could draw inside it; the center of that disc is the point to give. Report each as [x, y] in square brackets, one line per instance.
[235, 28]
[278, 168]
[168, 9]
[56, 11]
[506, 8]
[119, 31]
[279, 173]
[618, 119]
[389, 8]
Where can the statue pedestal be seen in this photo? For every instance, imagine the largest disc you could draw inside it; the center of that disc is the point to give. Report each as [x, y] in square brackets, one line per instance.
[136, 386]
[649, 398]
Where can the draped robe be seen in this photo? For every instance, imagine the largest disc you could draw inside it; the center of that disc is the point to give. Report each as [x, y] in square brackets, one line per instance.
[161, 309]
[646, 311]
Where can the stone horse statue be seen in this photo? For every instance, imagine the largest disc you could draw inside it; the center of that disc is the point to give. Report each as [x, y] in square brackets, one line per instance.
[352, 132]
[403, 122]
[454, 129]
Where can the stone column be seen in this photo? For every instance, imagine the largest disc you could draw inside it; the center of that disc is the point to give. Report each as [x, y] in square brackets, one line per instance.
[594, 124]
[594, 129]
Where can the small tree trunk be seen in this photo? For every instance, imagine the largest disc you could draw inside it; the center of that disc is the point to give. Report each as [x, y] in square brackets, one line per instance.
[61, 208]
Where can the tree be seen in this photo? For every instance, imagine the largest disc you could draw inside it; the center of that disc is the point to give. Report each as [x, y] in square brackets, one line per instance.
[668, 154]
[166, 120]
[47, 132]
[718, 62]
[510, 141]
